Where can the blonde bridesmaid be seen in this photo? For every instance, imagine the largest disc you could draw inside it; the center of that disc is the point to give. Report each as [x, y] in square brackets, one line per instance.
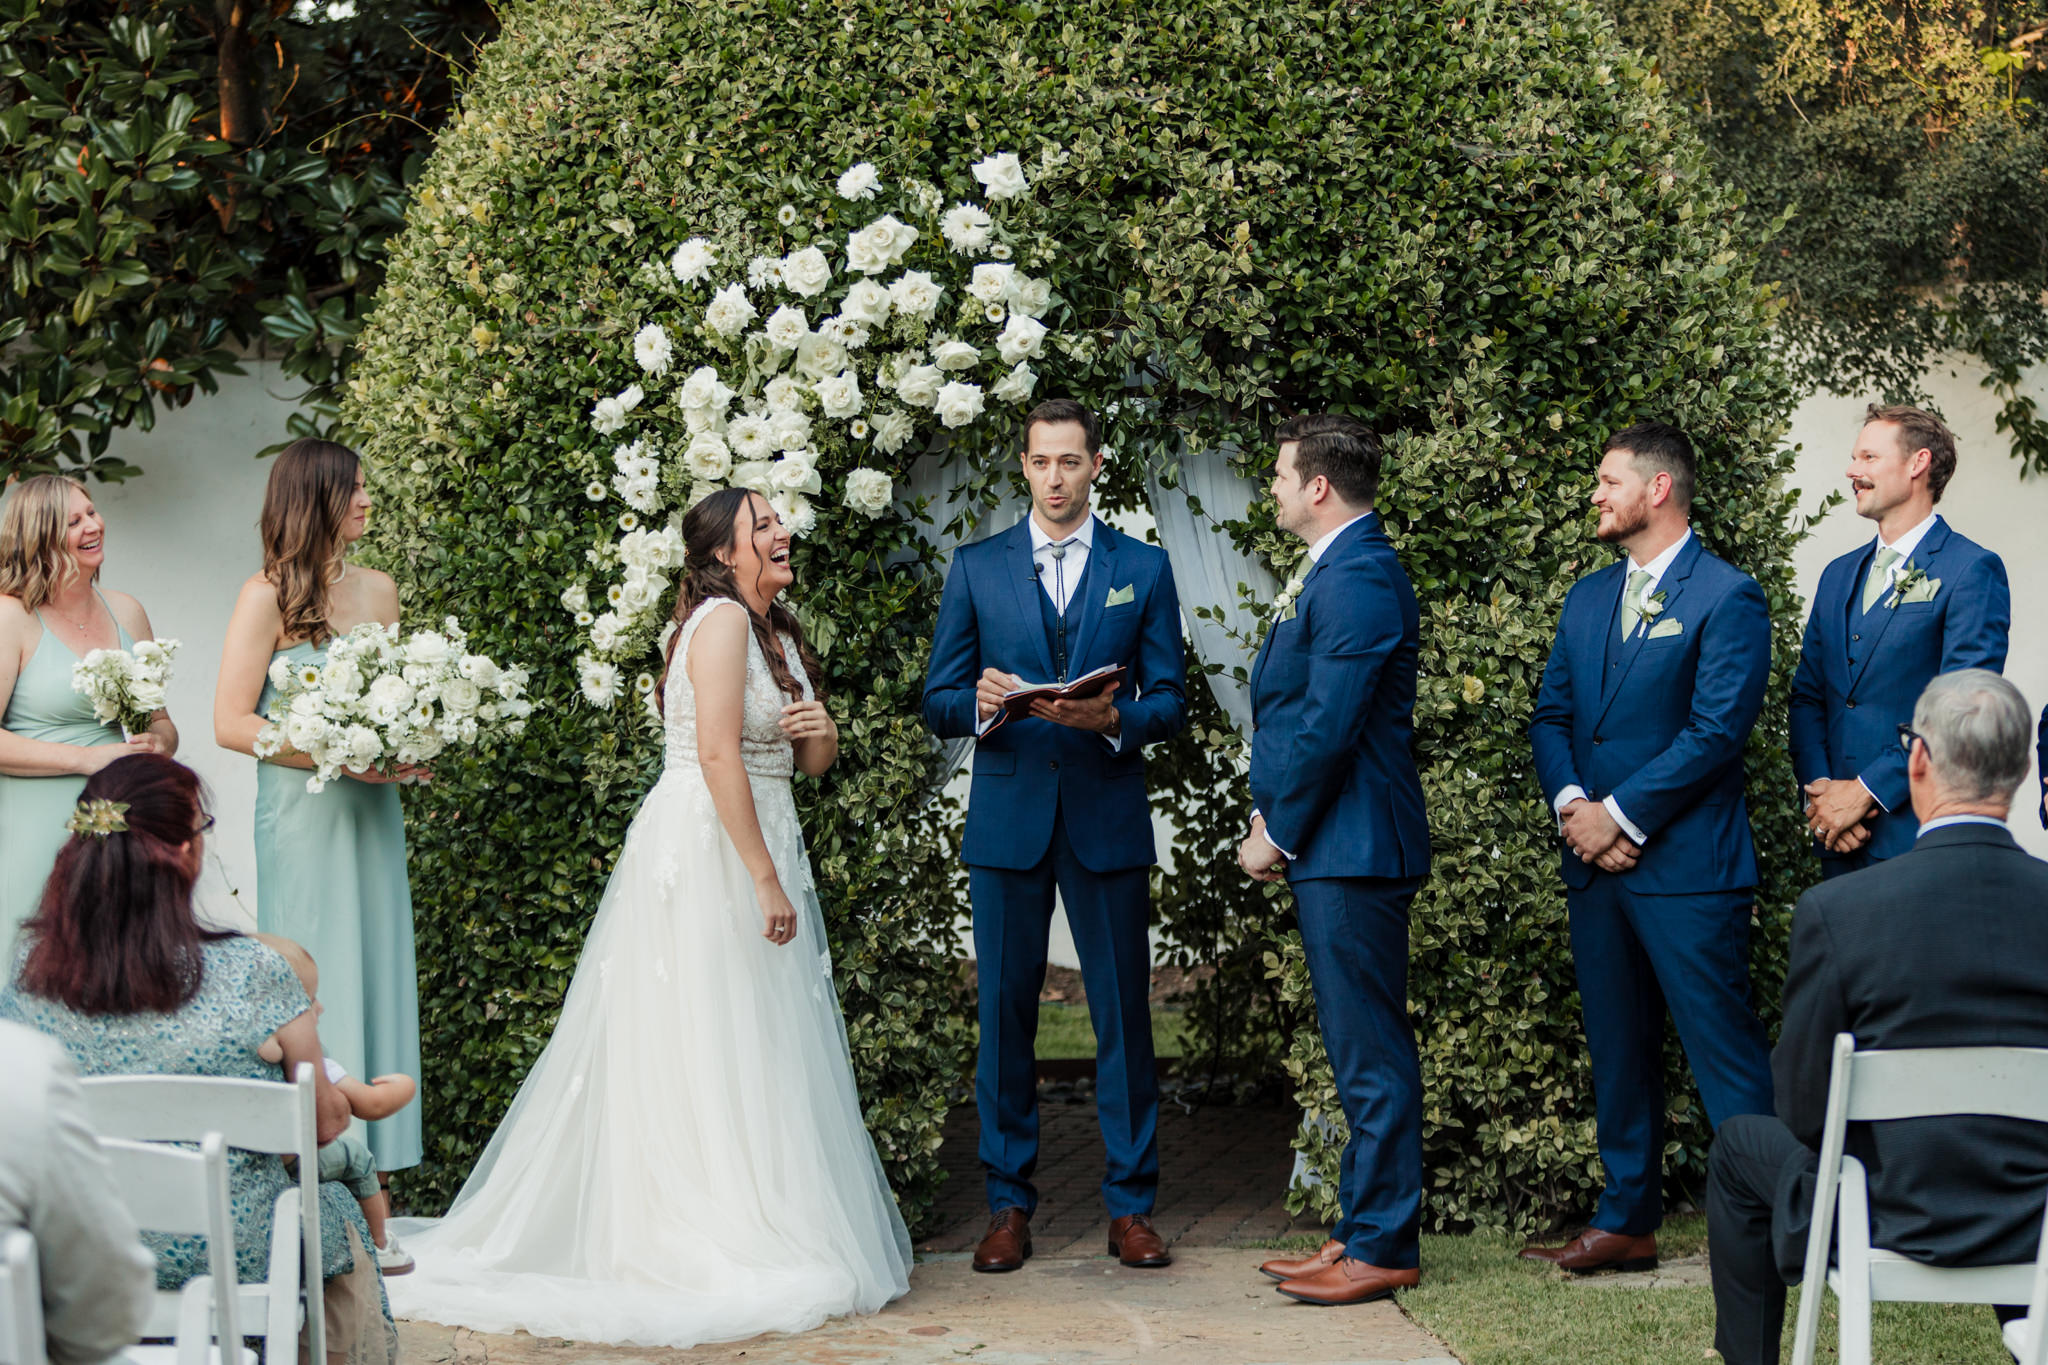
[52, 614]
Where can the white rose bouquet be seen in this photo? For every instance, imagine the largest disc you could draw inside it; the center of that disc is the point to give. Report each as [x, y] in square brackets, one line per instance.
[126, 687]
[385, 698]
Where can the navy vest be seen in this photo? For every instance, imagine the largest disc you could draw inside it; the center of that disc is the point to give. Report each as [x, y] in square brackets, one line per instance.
[1059, 628]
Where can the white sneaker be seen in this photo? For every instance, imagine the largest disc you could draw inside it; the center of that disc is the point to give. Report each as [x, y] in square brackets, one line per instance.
[393, 1259]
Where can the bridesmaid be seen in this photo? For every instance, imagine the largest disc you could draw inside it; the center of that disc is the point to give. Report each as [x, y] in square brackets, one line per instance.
[53, 613]
[330, 866]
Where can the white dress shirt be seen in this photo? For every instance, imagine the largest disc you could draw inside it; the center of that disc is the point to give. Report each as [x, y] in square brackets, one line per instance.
[99, 1281]
[1904, 545]
[1945, 821]
[1059, 577]
[1656, 569]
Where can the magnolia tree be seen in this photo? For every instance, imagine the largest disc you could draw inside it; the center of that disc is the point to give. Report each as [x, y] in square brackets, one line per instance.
[668, 247]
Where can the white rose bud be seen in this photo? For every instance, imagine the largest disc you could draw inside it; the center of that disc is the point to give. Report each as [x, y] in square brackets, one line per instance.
[806, 272]
[958, 404]
[915, 295]
[839, 396]
[868, 491]
[893, 429]
[729, 311]
[919, 385]
[1022, 338]
[956, 355]
[991, 283]
[1002, 175]
[787, 326]
[707, 456]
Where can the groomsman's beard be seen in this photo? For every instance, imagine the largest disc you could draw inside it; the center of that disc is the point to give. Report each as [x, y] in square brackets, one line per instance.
[1624, 525]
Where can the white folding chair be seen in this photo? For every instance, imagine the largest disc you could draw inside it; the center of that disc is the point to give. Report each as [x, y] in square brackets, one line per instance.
[255, 1116]
[21, 1301]
[2025, 1337]
[185, 1193]
[1874, 1087]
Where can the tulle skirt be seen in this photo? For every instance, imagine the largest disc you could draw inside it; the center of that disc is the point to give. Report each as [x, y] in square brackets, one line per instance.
[687, 1161]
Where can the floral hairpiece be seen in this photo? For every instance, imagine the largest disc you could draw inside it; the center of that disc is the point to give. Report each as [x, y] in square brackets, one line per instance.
[98, 818]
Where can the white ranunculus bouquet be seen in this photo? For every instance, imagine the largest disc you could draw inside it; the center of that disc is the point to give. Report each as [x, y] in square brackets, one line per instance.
[384, 698]
[126, 686]
[887, 318]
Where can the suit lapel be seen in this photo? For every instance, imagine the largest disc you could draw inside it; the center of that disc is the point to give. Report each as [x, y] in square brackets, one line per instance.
[1352, 534]
[1098, 580]
[1922, 558]
[1024, 583]
[1672, 585]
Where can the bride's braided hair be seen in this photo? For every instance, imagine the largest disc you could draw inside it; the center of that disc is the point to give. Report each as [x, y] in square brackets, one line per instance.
[708, 528]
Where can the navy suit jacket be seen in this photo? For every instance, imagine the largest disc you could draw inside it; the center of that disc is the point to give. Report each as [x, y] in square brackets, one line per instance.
[1333, 715]
[1861, 672]
[1659, 724]
[989, 617]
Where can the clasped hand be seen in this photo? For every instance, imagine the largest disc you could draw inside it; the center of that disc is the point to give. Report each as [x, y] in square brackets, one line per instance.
[1096, 714]
[1259, 857]
[1838, 813]
[802, 720]
[1591, 831]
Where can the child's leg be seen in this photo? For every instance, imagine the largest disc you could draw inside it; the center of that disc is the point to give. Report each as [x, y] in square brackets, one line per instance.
[375, 1210]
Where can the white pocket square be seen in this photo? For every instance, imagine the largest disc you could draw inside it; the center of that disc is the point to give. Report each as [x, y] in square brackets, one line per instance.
[1665, 629]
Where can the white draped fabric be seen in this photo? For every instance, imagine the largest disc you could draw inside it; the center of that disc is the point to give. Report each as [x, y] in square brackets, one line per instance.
[1207, 567]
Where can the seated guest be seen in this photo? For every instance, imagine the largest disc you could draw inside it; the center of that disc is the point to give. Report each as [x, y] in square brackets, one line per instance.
[96, 1275]
[1943, 946]
[117, 970]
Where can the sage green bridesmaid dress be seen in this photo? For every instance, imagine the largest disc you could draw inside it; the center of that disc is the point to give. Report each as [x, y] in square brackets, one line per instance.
[33, 809]
[330, 874]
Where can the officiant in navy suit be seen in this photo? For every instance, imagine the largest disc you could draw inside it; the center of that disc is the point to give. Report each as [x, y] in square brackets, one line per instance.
[1058, 802]
[1917, 601]
[1652, 687]
[1339, 816]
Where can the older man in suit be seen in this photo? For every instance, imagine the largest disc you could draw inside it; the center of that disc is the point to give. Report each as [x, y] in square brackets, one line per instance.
[1339, 816]
[1650, 692]
[1058, 804]
[1920, 599]
[1944, 946]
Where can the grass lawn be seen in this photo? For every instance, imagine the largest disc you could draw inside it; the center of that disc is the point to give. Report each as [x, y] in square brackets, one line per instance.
[1492, 1309]
[1064, 1032]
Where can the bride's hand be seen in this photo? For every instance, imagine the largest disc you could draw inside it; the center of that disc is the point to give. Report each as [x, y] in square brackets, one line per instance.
[776, 910]
[802, 720]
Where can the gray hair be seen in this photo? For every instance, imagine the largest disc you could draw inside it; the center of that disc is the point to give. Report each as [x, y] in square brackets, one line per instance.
[1977, 729]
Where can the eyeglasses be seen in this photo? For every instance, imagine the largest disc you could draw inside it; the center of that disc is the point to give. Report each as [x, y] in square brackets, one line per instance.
[1907, 734]
[204, 825]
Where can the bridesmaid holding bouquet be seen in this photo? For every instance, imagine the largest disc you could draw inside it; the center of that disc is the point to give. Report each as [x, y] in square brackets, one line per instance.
[330, 866]
[52, 614]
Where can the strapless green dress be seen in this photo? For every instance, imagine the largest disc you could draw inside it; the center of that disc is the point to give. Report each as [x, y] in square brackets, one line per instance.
[330, 874]
[33, 809]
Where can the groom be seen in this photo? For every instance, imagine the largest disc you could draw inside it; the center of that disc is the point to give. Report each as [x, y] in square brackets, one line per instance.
[1340, 818]
[1059, 803]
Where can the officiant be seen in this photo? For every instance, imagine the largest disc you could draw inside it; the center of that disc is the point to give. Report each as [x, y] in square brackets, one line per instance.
[1058, 803]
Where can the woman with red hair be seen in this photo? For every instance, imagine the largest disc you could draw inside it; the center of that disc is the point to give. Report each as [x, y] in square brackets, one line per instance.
[117, 970]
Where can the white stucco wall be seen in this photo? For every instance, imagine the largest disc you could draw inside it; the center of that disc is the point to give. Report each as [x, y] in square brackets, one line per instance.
[183, 537]
[1987, 501]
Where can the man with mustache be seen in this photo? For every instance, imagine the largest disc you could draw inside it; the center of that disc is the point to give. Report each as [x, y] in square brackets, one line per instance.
[1651, 690]
[1918, 601]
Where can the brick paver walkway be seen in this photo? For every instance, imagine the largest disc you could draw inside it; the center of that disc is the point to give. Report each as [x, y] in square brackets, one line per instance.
[1222, 1178]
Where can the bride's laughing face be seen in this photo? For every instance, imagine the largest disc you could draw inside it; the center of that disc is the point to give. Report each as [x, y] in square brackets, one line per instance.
[760, 549]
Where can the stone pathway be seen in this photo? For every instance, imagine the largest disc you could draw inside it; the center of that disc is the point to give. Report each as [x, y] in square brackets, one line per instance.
[1224, 1180]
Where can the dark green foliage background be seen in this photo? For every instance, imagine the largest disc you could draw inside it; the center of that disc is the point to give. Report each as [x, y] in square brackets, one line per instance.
[1478, 223]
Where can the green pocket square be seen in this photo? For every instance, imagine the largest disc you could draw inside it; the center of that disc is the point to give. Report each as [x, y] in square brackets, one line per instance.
[1922, 590]
[1119, 596]
[1665, 629]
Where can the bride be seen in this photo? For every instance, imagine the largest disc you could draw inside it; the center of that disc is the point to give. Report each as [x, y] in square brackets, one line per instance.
[687, 1161]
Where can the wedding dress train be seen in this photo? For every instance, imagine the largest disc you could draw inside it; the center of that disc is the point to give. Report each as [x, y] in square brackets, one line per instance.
[687, 1161]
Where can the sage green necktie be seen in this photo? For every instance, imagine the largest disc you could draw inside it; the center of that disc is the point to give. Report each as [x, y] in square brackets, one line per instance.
[1880, 578]
[1632, 601]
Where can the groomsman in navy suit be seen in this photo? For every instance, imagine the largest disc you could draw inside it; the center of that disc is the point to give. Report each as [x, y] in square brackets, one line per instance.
[1058, 802]
[1888, 616]
[1339, 817]
[1655, 680]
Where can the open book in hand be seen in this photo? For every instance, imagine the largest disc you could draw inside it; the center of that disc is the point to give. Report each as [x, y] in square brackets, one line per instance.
[1017, 701]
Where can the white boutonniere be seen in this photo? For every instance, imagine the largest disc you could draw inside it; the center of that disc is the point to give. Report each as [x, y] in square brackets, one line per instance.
[1912, 585]
[1284, 606]
[1652, 608]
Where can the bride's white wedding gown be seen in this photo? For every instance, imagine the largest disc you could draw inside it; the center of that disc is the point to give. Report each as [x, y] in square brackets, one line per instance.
[687, 1160]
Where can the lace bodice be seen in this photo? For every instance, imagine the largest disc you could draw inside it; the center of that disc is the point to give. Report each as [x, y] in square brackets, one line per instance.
[764, 750]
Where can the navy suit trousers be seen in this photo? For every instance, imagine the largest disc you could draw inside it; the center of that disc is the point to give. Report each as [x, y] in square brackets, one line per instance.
[1636, 954]
[1108, 913]
[1354, 932]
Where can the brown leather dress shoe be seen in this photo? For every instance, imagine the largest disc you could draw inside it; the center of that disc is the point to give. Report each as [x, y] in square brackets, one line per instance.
[1296, 1267]
[1007, 1243]
[1596, 1249]
[1134, 1241]
[1346, 1281]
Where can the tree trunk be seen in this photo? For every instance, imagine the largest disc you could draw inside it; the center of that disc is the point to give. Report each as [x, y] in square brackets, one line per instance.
[241, 111]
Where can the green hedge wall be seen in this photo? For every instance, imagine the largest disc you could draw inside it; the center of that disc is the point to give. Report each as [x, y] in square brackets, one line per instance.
[1475, 222]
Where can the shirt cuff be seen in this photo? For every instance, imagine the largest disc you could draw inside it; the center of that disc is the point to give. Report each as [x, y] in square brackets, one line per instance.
[1627, 825]
[1269, 838]
[1564, 798]
[1115, 742]
[1873, 796]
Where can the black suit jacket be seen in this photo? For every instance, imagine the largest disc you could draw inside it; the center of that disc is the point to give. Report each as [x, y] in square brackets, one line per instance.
[1942, 946]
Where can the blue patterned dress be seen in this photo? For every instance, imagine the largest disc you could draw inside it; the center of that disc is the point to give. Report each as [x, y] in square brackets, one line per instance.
[247, 993]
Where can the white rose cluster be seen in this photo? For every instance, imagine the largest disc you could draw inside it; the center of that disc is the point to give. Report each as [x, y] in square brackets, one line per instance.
[792, 368]
[382, 699]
